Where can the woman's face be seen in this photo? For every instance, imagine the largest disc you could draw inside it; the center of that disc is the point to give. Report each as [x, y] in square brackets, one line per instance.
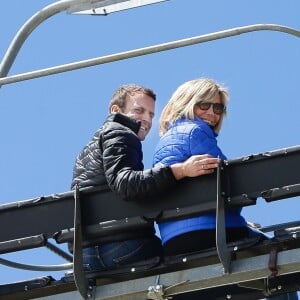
[209, 116]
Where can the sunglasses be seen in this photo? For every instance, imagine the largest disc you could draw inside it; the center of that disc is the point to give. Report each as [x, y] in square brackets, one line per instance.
[218, 108]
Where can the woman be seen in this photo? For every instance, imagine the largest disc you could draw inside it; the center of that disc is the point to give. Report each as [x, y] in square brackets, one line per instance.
[189, 124]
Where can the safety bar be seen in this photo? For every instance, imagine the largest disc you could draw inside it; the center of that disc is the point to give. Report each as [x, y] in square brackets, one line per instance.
[192, 196]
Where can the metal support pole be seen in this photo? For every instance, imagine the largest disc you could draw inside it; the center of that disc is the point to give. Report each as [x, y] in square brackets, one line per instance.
[11, 53]
[79, 277]
[222, 248]
[27, 28]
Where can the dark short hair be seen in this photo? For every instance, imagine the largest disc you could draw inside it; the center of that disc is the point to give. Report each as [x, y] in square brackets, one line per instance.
[119, 96]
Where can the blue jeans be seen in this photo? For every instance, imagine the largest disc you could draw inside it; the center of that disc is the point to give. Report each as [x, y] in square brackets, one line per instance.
[113, 255]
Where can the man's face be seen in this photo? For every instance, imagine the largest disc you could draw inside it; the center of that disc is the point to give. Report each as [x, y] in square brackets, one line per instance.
[140, 107]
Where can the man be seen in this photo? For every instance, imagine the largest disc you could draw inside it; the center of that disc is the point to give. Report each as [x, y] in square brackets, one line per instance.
[114, 157]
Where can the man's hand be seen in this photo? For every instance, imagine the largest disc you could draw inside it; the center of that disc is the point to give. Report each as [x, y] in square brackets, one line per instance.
[194, 166]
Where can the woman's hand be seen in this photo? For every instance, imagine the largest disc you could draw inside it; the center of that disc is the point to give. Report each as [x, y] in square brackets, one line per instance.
[195, 166]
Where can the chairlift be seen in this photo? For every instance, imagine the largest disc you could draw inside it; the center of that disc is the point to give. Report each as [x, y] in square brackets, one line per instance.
[242, 268]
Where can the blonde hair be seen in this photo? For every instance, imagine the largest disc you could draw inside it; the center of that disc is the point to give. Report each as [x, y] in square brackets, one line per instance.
[185, 98]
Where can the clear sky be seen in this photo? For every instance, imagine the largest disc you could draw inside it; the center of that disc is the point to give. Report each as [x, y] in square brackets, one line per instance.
[45, 122]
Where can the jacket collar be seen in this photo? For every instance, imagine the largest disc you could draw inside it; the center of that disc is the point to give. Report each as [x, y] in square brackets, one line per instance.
[207, 128]
[126, 121]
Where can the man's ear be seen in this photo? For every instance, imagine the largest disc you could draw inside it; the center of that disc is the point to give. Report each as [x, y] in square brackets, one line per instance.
[115, 109]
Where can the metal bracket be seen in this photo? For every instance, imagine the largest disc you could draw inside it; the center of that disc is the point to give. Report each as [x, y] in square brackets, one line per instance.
[273, 262]
[222, 249]
[81, 281]
[156, 291]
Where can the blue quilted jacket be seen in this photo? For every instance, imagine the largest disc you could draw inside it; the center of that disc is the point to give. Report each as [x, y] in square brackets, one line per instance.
[183, 139]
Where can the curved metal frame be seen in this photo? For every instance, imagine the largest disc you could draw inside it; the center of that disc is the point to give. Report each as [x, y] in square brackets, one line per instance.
[27, 28]
[64, 5]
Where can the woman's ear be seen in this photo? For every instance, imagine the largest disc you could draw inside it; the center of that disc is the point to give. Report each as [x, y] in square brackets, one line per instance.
[115, 109]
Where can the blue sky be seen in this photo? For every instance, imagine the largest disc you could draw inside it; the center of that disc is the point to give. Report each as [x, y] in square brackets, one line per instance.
[45, 122]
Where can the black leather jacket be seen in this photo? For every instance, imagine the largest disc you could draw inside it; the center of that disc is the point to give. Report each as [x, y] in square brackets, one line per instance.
[114, 157]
